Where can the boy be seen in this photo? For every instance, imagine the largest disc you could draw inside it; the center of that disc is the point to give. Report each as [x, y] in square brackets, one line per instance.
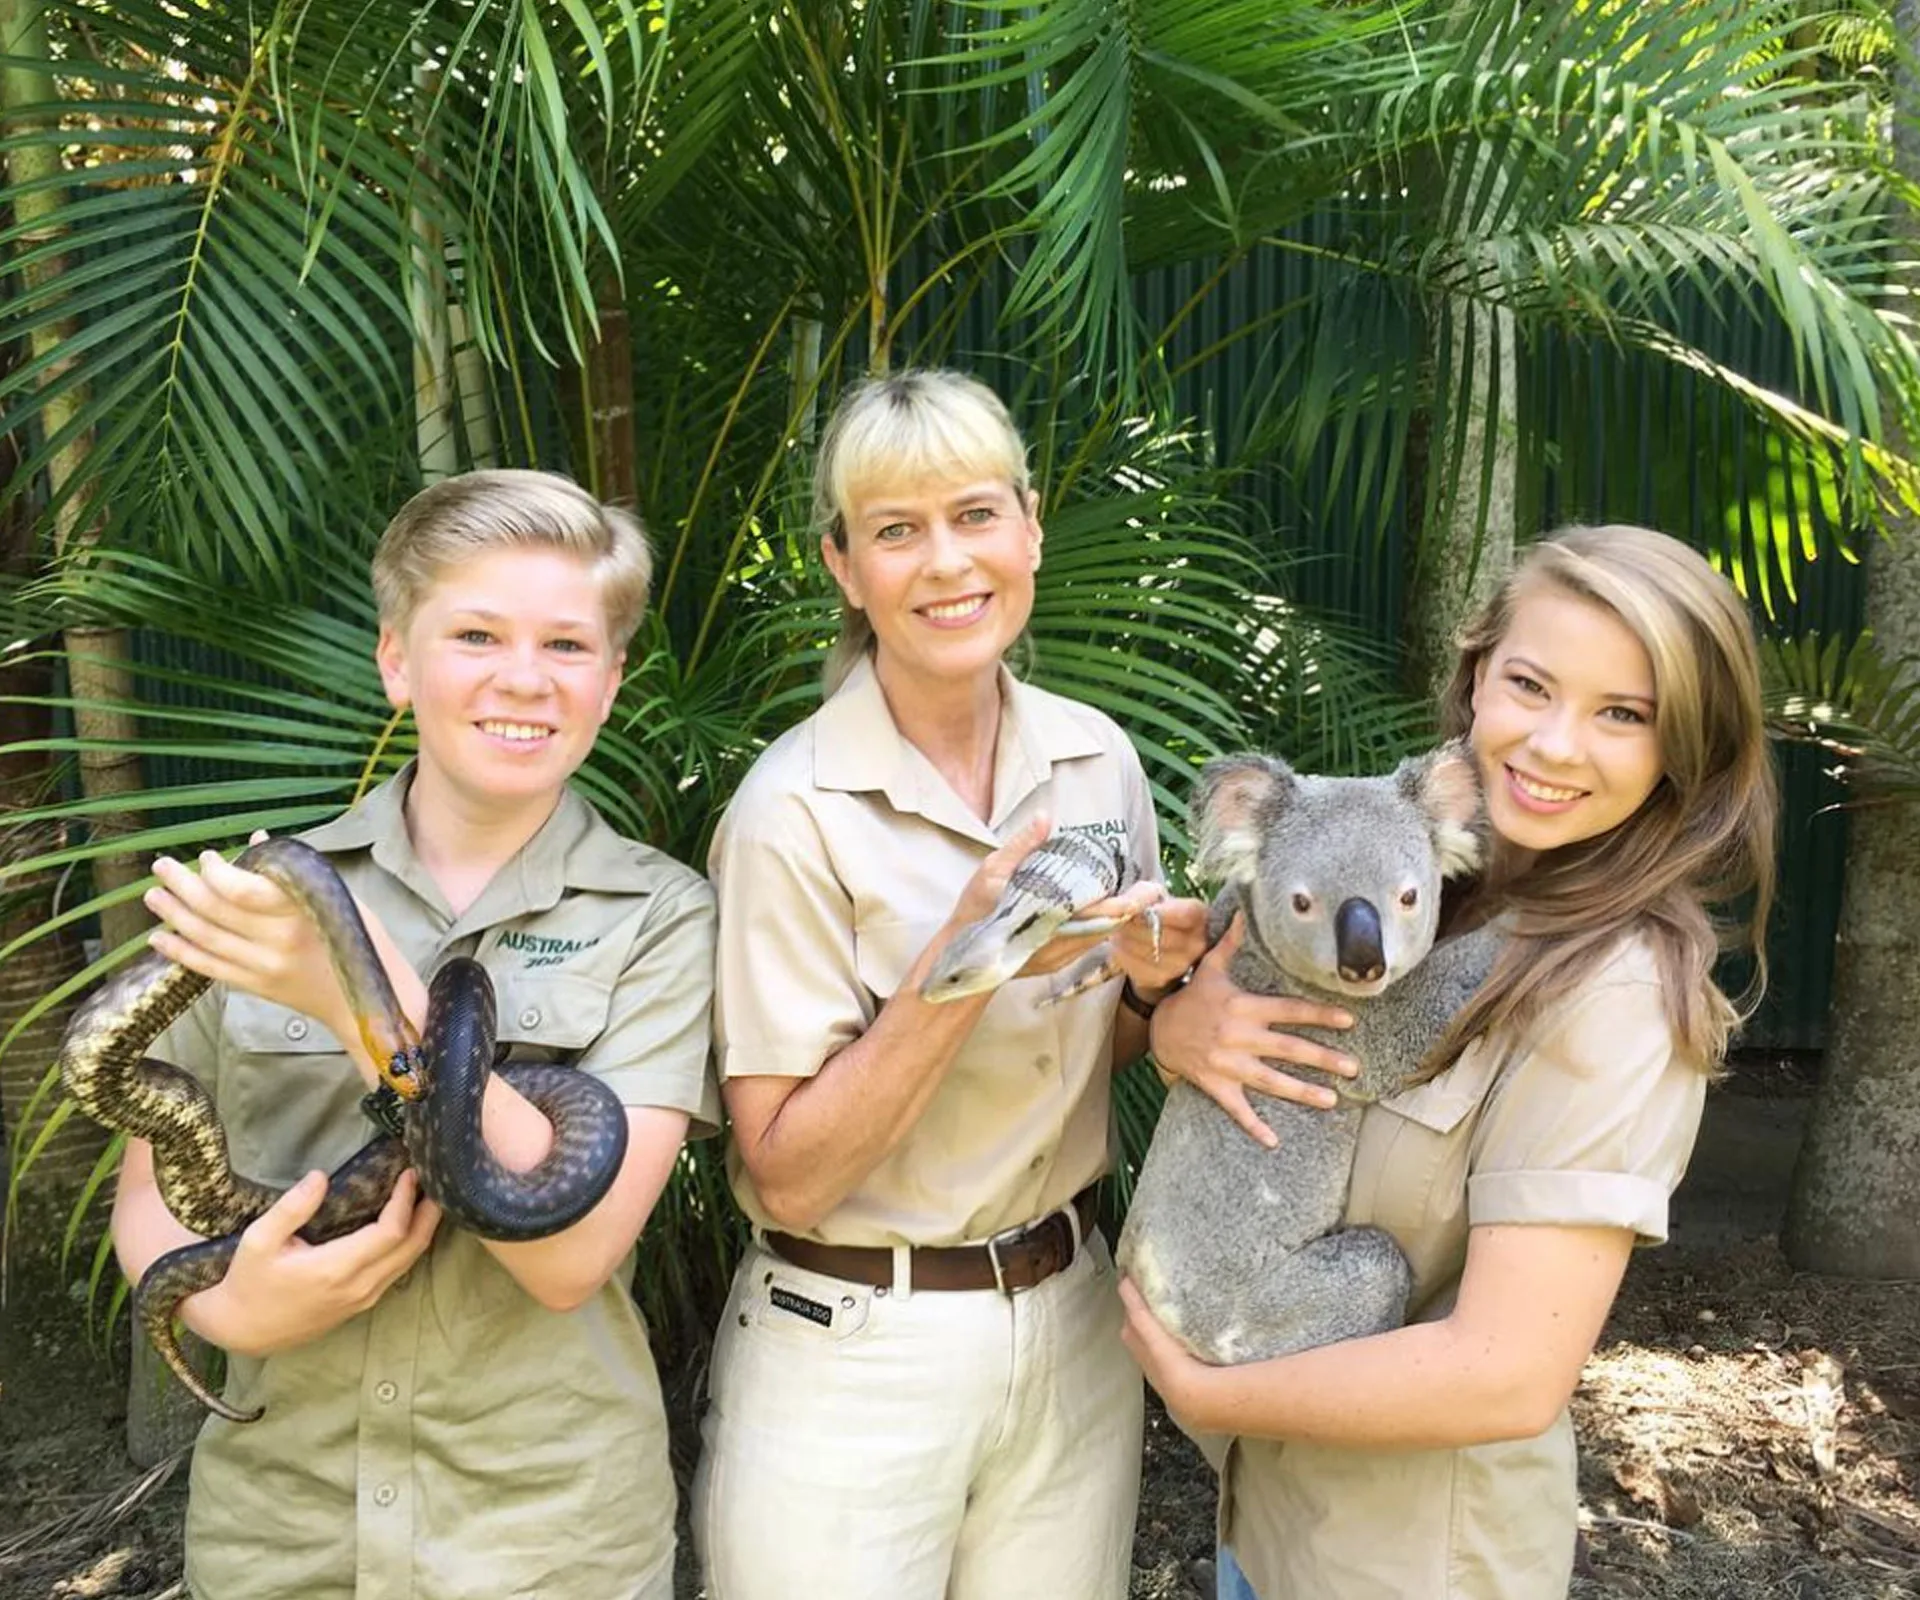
[446, 1416]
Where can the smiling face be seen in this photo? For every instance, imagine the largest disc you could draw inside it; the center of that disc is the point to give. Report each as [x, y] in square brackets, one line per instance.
[1563, 721]
[510, 671]
[944, 572]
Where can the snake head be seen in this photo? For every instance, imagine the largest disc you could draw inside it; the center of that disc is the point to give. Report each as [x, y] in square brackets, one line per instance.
[398, 1056]
[408, 1074]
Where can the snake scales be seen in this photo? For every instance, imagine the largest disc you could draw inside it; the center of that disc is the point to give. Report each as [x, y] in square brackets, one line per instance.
[433, 1084]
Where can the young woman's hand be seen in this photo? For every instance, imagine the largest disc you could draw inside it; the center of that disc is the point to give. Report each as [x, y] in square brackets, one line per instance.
[1179, 1378]
[1224, 1040]
[282, 1292]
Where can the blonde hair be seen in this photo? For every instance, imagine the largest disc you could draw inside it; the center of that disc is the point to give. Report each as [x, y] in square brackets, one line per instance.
[1701, 839]
[506, 508]
[917, 424]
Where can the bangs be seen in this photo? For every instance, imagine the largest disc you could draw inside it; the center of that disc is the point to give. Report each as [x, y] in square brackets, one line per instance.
[896, 432]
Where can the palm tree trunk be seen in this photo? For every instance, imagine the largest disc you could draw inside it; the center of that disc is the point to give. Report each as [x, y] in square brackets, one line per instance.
[612, 447]
[1855, 1209]
[433, 376]
[98, 658]
[1465, 542]
[28, 777]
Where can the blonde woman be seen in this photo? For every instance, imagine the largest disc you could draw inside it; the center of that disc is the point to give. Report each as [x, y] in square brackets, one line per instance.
[1611, 694]
[919, 1389]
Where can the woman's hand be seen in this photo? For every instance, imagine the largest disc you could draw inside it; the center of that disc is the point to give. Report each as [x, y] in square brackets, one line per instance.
[1181, 1380]
[1153, 962]
[1224, 1040]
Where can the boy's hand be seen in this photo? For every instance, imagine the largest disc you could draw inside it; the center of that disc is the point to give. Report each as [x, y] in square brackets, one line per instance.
[245, 931]
[282, 1292]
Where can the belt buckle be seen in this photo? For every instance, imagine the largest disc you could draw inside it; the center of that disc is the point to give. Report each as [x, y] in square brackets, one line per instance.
[1006, 1236]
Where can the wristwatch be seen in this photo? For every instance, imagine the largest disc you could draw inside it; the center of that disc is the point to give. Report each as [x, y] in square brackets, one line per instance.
[1140, 1005]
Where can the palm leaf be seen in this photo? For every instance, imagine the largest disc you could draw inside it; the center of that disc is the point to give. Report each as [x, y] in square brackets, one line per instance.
[1852, 701]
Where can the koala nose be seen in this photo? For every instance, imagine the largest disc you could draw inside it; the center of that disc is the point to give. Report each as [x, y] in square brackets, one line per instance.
[1356, 941]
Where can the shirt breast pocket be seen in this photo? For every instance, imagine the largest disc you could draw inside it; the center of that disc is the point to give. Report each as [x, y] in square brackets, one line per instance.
[1410, 1165]
[549, 1016]
[884, 952]
[287, 1095]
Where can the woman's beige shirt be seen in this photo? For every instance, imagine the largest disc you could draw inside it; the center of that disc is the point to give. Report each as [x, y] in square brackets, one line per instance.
[1590, 1124]
[839, 859]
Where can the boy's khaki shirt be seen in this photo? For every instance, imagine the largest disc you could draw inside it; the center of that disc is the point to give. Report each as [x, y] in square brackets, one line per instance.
[837, 862]
[1590, 1125]
[458, 1439]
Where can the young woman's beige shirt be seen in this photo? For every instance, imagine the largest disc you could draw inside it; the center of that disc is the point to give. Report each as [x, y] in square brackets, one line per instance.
[1590, 1123]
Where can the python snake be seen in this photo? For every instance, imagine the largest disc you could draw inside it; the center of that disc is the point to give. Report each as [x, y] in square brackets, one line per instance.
[433, 1084]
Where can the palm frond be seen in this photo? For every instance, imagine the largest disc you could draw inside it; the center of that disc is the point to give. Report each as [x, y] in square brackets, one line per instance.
[1856, 703]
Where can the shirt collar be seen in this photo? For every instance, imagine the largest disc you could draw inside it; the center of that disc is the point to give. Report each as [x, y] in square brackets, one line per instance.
[858, 749]
[574, 848]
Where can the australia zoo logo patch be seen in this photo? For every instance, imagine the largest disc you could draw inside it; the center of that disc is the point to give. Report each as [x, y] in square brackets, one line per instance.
[542, 950]
[1106, 828]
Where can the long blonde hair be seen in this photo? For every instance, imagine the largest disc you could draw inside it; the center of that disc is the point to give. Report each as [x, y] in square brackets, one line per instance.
[917, 423]
[1703, 838]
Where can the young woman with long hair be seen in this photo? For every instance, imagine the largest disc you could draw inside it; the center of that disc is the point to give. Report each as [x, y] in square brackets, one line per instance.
[1611, 694]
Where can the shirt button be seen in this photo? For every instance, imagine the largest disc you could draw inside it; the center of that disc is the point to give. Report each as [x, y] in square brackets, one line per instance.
[296, 1027]
[1043, 1062]
[386, 1392]
[385, 1495]
[1036, 1163]
[404, 1279]
[530, 1017]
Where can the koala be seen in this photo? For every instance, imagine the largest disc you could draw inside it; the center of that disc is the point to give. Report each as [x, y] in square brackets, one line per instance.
[1241, 1251]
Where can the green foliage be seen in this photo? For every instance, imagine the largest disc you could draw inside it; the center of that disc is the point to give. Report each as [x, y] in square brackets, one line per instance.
[1854, 702]
[260, 218]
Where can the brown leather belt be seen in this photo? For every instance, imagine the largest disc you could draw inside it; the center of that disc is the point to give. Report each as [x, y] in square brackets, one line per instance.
[1020, 1258]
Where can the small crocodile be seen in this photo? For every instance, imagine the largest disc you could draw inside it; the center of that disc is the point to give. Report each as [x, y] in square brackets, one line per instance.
[1065, 873]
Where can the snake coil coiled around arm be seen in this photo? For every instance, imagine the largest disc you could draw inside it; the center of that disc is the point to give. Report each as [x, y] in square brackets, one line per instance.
[438, 1079]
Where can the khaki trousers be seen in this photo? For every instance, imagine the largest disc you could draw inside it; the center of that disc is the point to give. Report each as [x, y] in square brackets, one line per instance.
[867, 1445]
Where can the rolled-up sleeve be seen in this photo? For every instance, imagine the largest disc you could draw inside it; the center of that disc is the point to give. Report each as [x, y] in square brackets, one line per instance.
[1593, 1127]
[655, 1049]
[788, 992]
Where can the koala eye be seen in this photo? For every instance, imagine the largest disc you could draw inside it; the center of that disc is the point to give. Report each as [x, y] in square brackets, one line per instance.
[1302, 902]
[1409, 898]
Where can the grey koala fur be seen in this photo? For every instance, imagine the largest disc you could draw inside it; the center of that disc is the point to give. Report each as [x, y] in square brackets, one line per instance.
[1241, 1251]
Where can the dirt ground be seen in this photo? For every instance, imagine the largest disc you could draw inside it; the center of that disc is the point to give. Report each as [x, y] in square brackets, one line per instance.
[1746, 1431]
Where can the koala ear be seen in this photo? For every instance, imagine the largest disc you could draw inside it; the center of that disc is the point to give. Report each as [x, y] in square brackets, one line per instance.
[1227, 807]
[1445, 784]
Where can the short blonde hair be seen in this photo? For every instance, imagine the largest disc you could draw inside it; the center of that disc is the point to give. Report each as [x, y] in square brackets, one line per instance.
[917, 425]
[508, 508]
